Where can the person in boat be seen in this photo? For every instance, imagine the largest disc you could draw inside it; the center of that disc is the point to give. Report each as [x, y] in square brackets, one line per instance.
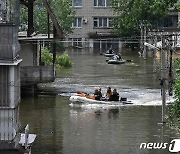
[110, 51]
[108, 93]
[114, 96]
[99, 91]
[115, 57]
[97, 94]
[119, 56]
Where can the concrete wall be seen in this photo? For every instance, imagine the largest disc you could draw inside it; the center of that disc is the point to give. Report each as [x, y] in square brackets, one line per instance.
[28, 53]
[30, 71]
[36, 74]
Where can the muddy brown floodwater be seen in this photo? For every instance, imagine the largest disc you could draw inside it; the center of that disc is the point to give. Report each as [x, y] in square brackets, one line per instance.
[62, 129]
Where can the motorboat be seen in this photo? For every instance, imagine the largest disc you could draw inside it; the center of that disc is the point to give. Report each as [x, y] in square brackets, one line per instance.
[89, 99]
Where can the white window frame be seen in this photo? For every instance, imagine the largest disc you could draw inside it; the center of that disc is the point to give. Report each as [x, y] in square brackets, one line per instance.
[77, 22]
[75, 5]
[102, 22]
[75, 42]
[98, 4]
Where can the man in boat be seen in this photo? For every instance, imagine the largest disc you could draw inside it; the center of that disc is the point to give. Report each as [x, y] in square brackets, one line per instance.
[97, 94]
[110, 51]
[99, 91]
[114, 96]
[119, 56]
[108, 93]
[115, 57]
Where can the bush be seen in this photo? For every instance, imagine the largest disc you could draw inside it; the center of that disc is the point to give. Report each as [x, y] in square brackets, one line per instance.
[64, 60]
[47, 58]
[174, 110]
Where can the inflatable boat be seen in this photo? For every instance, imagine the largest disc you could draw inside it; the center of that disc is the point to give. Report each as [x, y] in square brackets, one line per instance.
[112, 61]
[108, 54]
[88, 99]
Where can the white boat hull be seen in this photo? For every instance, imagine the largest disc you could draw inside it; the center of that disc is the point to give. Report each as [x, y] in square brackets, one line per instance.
[112, 61]
[83, 100]
[108, 54]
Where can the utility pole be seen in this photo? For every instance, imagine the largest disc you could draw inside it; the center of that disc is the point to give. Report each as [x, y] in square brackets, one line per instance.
[30, 29]
[48, 24]
[144, 36]
[163, 78]
[170, 74]
[154, 54]
[141, 41]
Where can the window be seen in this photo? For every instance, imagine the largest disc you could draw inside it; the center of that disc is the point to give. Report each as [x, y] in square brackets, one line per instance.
[103, 23]
[170, 21]
[77, 23]
[101, 3]
[77, 3]
[75, 42]
[110, 23]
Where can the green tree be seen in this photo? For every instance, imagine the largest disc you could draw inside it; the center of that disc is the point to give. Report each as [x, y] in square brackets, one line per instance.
[178, 8]
[131, 13]
[62, 10]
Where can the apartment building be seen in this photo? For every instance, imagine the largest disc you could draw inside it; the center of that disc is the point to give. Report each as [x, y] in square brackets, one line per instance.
[92, 26]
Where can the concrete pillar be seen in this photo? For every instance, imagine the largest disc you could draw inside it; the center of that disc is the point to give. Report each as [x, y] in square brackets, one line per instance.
[83, 42]
[154, 55]
[163, 78]
[10, 80]
[100, 43]
[9, 106]
[91, 43]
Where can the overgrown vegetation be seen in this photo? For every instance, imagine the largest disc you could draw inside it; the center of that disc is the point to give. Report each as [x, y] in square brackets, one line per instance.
[174, 110]
[62, 60]
[178, 8]
[46, 57]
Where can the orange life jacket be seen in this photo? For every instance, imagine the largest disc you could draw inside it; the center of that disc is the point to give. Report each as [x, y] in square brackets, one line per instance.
[85, 95]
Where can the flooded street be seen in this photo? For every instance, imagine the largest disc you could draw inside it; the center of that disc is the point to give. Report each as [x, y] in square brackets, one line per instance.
[63, 129]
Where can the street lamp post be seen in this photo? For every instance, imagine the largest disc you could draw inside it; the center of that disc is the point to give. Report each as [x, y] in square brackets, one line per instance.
[163, 79]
